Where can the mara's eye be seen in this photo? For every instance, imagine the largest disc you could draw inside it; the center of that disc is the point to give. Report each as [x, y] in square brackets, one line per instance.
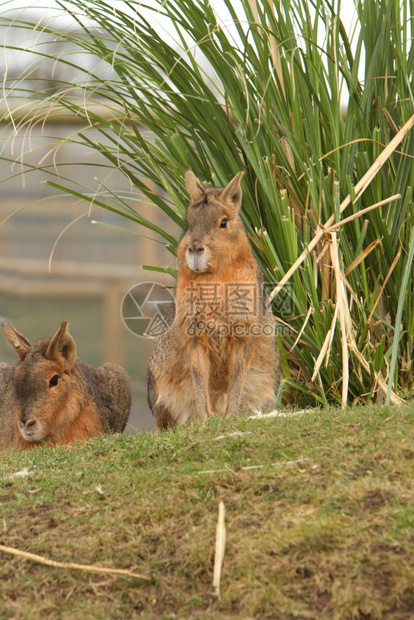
[223, 222]
[54, 380]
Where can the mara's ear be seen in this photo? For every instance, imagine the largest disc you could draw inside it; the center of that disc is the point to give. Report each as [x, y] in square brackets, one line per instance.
[62, 345]
[232, 194]
[193, 186]
[19, 343]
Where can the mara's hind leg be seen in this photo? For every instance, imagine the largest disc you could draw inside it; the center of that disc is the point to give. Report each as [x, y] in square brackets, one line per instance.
[163, 418]
[259, 390]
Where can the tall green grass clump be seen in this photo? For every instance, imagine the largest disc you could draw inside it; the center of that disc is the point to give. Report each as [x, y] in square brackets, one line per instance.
[321, 121]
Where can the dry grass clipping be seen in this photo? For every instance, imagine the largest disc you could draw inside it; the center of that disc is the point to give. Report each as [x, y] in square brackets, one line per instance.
[101, 570]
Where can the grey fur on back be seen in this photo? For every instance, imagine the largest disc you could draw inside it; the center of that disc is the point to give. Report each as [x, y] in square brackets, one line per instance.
[109, 386]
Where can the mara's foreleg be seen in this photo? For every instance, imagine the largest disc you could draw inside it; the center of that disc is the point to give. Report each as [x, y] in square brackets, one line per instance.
[200, 373]
[238, 364]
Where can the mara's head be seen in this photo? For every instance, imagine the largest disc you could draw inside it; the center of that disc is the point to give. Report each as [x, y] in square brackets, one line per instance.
[215, 236]
[48, 389]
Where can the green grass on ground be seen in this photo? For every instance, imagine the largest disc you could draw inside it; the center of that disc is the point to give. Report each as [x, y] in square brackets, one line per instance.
[319, 517]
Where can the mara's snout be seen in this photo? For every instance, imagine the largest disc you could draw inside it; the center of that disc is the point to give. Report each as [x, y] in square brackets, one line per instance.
[197, 257]
[30, 430]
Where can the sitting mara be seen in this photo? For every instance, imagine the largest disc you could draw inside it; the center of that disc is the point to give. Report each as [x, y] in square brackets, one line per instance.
[219, 354]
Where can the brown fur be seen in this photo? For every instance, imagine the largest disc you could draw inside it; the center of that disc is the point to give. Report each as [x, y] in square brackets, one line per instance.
[53, 397]
[195, 372]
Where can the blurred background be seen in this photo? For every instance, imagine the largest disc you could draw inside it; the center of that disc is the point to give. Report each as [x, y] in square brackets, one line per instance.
[56, 263]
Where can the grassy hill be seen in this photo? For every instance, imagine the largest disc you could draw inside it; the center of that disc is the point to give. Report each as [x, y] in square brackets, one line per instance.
[319, 518]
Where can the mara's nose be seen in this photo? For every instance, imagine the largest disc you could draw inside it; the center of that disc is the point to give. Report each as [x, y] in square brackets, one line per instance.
[196, 248]
[27, 424]
[29, 429]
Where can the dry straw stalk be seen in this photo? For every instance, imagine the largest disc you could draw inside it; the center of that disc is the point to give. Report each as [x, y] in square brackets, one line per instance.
[101, 570]
[360, 187]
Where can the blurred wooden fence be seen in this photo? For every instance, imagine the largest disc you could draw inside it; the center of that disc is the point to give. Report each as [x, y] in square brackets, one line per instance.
[31, 278]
